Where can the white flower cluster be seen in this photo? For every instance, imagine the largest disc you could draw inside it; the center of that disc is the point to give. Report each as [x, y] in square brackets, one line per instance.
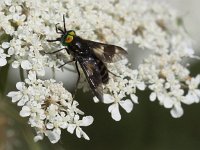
[170, 82]
[164, 71]
[122, 84]
[152, 26]
[49, 107]
[3, 57]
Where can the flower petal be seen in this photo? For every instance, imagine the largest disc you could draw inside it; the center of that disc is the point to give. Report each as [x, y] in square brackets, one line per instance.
[127, 105]
[32, 75]
[86, 121]
[152, 96]
[134, 98]
[3, 61]
[141, 86]
[15, 96]
[25, 64]
[15, 64]
[11, 51]
[23, 100]
[95, 99]
[71, 128]
[189, 99]
[114, 110]
[54, 136]
[20, 86]
[107, 99]
[177, 111]
[49, 125]
[168, 102]
[12, 94]
[80, 133]
[85, 135]
[38, 137]
[26, 111]
[5, 45]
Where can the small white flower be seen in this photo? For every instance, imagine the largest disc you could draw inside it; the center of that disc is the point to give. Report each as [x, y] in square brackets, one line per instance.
[152, 96]
[3, 57]
[54, 136]
[5, 45]
[77, 123]
[25, 112]
[193, 95]
[38, 137]
[15, 64]
[177, 111]
[127, 105]
[19, 19]
[21, 96]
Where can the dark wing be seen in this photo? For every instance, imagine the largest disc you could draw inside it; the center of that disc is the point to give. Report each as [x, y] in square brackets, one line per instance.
[93, 76]
[107, 53]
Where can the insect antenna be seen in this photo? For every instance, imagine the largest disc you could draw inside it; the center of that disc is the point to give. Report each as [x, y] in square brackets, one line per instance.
[57, 39]
[65, 30]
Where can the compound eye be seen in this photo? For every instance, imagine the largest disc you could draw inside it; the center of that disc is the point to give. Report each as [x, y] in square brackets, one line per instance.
[68, 39]
[72, 33]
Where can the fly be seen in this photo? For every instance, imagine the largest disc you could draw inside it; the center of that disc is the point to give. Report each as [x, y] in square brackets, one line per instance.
[91, 56]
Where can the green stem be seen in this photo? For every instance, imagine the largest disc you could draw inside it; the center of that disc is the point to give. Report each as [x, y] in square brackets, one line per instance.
[28, 136]
[9, 110]
[3, 78]
[53, 73]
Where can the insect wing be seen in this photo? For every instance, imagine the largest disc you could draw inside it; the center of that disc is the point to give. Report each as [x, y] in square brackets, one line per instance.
[93, 76]
[106, 52]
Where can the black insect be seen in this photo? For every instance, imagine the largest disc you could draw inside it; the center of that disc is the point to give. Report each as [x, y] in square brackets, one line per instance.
[91, 56]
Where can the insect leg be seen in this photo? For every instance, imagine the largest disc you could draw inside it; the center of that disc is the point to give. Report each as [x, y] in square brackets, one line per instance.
[76, 63]
[66, 63]
[67, 50]
[113, 73]
[55, 51]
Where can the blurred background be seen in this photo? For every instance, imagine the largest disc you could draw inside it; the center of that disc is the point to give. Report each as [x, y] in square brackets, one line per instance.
[189, 10]
[148, 126]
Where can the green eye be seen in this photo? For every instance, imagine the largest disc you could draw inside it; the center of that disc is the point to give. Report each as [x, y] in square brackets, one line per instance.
[72, 33]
